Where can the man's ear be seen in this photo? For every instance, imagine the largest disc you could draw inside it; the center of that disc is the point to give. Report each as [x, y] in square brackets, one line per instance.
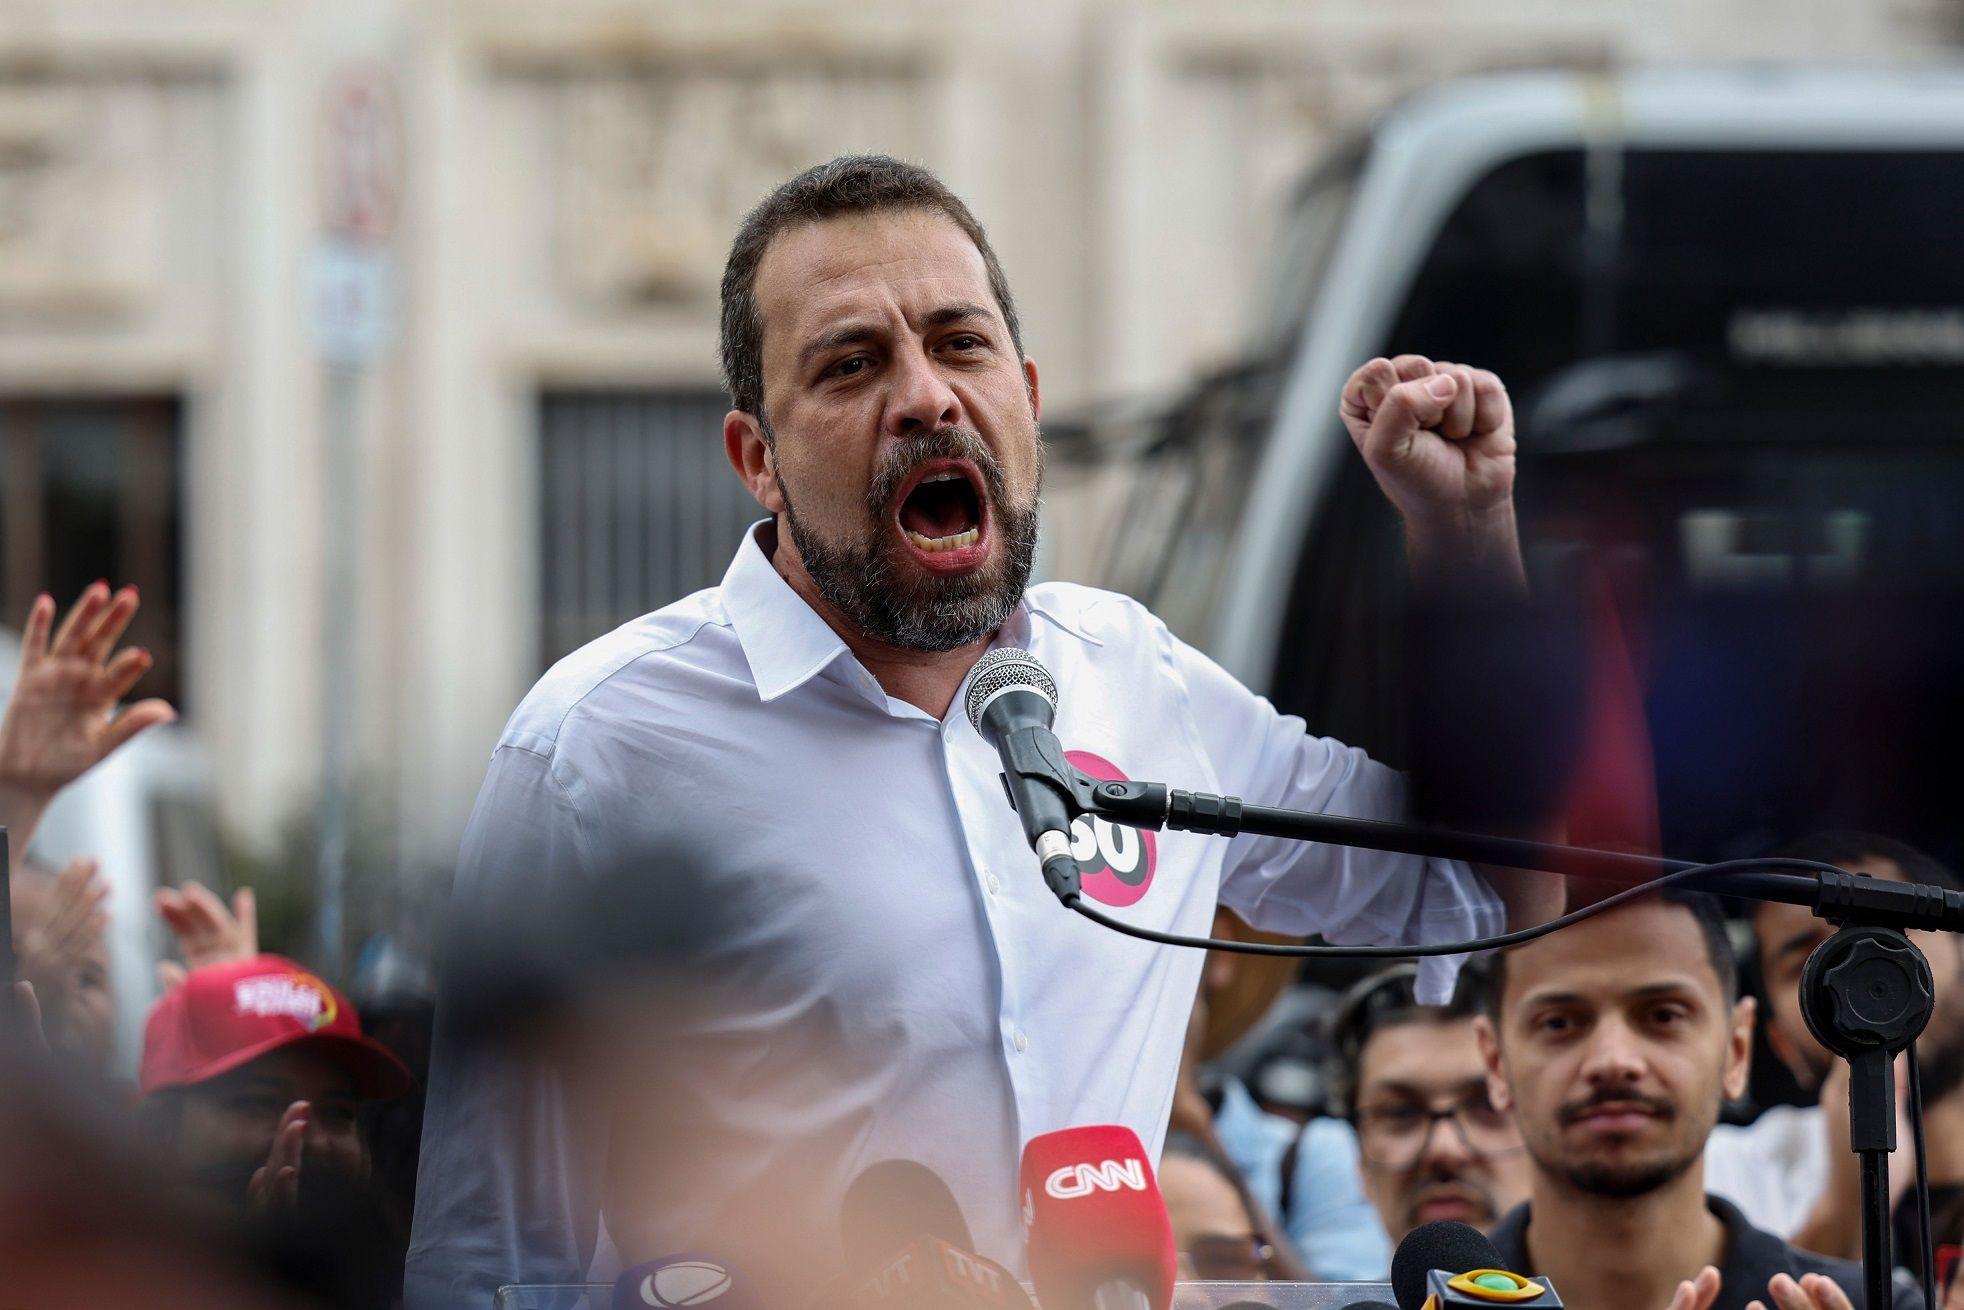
[1489, 1040]
[1030, 384]
[1739, 1047]
[752, 458]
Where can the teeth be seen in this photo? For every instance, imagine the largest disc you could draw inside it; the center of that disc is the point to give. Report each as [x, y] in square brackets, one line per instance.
[948, 475]
[935, 544]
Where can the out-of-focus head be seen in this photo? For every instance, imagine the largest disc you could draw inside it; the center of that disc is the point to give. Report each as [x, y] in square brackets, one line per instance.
[882, 406]
[1432, 1143]
[1616, 1041]
[1213, 1218]
[231, 1048]
[1785, 935]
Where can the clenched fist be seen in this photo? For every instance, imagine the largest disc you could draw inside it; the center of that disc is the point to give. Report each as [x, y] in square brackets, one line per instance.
[1438, 437]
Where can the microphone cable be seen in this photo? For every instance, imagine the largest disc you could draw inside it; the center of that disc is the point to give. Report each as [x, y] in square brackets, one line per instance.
[1925, 1239]
[1755, 865]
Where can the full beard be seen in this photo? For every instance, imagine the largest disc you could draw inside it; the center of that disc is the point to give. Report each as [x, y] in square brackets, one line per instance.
[877, 589]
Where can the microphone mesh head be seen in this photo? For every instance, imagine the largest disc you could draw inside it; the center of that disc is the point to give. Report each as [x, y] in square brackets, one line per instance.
[1442, 1244]
[1007, 667]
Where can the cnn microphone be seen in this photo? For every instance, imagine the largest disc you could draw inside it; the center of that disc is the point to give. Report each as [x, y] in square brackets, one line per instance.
[679, 1280]
[1448, 1265]
[1012, 700]
[1098, 1232]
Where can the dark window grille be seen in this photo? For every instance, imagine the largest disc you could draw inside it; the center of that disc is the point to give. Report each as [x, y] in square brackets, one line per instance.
[638, 506]
[94, 488]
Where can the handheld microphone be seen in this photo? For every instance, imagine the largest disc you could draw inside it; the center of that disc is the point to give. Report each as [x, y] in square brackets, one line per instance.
[1448, 1265]
[892, 1203]
[908, 1247]
[1098, 1232]
[683, 1280]
[1012, 700]
[935, 1275]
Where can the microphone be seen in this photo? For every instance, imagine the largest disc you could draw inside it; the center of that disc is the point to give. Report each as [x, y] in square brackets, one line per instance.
[1098, 1232]
[935, 1275]
[908, 1247]
[892, 1203]
[679, 1280]
[1012, 700]
[1448, 1265]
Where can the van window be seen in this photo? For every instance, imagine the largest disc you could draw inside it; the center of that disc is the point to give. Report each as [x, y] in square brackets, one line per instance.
[1739, 369]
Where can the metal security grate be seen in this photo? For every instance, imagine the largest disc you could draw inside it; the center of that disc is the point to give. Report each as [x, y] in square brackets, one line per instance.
[638, 507]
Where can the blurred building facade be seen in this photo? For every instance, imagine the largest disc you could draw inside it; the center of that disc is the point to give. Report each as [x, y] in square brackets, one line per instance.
[376, 341]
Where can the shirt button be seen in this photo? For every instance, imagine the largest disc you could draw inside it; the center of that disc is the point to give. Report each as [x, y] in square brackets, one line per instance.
[994, 884]
[1022, 1042]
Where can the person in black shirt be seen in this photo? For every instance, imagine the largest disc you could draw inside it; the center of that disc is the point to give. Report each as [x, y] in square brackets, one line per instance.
[1614, 1043]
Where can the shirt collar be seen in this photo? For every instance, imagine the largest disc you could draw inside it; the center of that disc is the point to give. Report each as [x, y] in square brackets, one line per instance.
[783, 637]
[788, 644]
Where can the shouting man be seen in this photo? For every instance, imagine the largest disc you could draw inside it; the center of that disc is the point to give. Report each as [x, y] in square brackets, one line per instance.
[890, 976]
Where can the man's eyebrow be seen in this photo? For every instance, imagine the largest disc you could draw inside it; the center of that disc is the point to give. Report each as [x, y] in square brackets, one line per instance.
[1400, 1087]
[851, 334]
[959, 312]
[1805, 937]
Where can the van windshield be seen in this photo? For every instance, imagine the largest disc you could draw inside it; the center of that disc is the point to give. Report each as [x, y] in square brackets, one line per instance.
[1739, 372]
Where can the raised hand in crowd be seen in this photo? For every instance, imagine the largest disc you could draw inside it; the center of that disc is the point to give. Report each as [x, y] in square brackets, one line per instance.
[61, 720]
[276, 1184]
[1697, 1293]
[1834, 1225]
[1811, 1292]
[207, 931]
[58, 932]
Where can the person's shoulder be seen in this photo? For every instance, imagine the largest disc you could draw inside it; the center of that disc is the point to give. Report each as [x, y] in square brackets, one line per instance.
[1096, 615]
[1509, 1237]
[645, 661]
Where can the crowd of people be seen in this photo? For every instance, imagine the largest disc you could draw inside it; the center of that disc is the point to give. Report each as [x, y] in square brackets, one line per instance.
[1570, 1098]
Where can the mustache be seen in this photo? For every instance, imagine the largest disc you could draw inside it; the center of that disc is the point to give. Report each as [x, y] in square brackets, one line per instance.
[1450, 1184]
[904, 457]
[1656, 1105]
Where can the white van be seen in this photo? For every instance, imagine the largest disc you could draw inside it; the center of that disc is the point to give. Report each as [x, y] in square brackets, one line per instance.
[1729, 306]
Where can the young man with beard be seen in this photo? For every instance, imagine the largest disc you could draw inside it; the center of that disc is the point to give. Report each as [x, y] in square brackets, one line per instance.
[1614, 1042]
[899, 981]
[1431, 1142]
[1791, 1170]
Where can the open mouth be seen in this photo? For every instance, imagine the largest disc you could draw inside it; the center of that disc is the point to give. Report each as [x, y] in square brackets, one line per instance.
[943, 513]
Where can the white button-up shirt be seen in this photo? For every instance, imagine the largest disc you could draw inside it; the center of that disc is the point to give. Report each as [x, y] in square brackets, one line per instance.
[913, 988]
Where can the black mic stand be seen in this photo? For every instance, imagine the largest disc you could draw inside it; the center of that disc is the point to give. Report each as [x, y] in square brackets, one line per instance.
[1866, 992]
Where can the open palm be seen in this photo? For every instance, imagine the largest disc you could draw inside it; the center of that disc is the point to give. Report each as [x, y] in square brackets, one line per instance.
[61, 720]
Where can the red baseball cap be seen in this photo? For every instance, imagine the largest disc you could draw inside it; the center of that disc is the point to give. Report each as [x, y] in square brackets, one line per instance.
[227, 1015]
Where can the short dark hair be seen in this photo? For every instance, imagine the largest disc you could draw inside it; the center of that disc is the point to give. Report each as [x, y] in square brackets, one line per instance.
[850, 184]
[1385, 1000]
[1843, 846]
[1711, 926]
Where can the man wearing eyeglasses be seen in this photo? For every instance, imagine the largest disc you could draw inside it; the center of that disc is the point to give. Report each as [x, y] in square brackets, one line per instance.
[1431, 1144]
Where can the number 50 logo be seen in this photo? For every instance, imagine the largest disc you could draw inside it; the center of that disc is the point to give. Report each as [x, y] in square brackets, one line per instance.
[1116, 863]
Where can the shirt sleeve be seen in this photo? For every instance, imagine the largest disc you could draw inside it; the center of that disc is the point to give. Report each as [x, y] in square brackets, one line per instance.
[1332, 1222]
[1350, 895]
[509, 1183]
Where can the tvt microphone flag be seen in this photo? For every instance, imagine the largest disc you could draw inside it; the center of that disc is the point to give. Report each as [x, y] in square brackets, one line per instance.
[1448, 1265]
[1097, 1228]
